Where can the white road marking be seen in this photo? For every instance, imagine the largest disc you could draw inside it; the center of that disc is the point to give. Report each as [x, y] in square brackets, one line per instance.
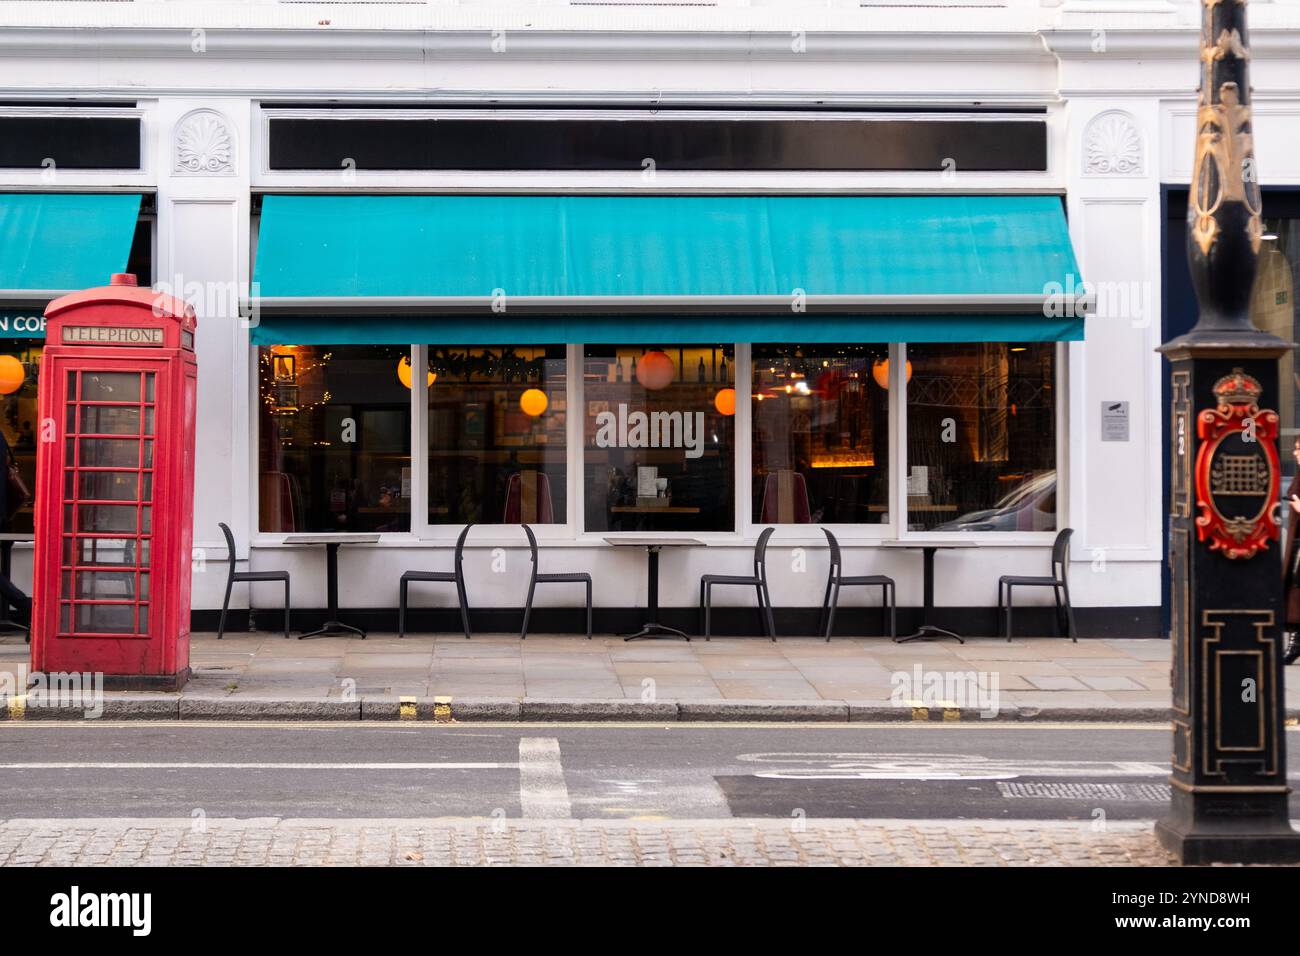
[256, 766]
[542, 791]
[934, 766]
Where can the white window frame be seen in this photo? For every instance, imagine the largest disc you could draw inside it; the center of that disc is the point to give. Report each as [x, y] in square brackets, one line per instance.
[572, 532]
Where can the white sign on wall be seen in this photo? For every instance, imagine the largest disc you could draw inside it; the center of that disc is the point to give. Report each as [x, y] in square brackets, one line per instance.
[1114, 421]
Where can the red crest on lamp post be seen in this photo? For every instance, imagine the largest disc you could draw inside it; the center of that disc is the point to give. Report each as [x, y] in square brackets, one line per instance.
[1237, 470]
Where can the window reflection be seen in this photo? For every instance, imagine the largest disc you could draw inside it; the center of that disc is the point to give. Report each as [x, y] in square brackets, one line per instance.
[335, 439]
[981, 437]
[497, 435]
[658, 438]
[1273, 309]
[821, 434]
[20, 362]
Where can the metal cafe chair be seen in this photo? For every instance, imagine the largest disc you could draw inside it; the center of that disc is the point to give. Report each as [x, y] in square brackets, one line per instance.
[249, 576]
[1057, 582]
[757, 581]
[567, 577]
[838, 579]
[455, 576]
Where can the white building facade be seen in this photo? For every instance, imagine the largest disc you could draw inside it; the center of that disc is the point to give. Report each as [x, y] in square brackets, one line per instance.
[1110, 82]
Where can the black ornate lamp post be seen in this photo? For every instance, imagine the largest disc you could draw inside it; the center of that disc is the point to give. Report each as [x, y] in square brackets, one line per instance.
[1229, 750]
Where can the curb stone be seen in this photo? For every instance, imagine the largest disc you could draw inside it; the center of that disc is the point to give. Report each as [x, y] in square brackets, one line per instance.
[267, 709]
[818, 710]
[561, 709]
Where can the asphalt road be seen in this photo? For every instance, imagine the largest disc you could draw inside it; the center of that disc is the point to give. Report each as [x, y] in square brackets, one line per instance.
[583, 771]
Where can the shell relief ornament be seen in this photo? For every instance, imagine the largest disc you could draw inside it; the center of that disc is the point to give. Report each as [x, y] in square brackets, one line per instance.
[204, 145]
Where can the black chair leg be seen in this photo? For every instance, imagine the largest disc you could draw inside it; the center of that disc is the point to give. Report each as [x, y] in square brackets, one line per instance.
[1008, 612]
[834, 602]
[528, 609]
[703, 622]
[884, 609]
[767, 610]
[463, 599]
[708, 599]
[893, 611]
[401, 608]
[588, 610]
[221, 623]
[1069, 614]
[822, 627]
[287, 605]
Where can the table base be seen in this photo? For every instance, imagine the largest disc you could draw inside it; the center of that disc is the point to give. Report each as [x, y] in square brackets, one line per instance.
[332, 629]
[928, 631]
[650, 631]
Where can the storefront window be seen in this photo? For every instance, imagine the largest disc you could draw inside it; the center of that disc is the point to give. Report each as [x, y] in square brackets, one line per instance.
[335, 438]
[659, 438]
[1273, 308]
[981, 437]
[20, 362]
[497, 435]
[821, 434]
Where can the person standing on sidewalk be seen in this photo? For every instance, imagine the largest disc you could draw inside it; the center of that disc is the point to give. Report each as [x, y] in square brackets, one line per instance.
[1291, 567]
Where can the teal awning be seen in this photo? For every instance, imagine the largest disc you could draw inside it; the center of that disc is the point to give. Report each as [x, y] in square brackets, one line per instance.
[664, 268]
[645, 329]
[52, 243]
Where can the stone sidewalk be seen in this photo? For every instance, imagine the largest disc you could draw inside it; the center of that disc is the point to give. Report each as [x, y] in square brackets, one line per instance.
[499, 677]
[457, 842]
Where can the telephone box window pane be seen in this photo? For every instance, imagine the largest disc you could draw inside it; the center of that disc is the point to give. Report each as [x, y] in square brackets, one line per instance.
[981, 437]
[110, 387]
[820, 434]
[106, 585]
[105, 420]
[148, 420]
[144, 587]
[107, 518]
[65, 618]
[146, 519]
[105, 618]
[104, 552]
[659, 438]
[497, 436]
[72, 419]
[334, 449]
[148, 386]
[109, 453]
[109, 485]
[143, 615]
[148, 486]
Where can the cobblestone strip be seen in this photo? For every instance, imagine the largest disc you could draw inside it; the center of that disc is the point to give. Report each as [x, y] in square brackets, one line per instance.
[445, 842]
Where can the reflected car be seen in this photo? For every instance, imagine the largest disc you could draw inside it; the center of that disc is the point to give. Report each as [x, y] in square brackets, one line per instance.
[1029, 507]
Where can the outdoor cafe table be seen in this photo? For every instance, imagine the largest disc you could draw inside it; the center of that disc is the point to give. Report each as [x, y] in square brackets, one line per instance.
[6, 560]
[332, 543]
[928, 548]
[653, 544]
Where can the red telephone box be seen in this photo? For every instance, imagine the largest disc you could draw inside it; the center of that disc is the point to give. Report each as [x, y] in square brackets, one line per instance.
[115, 487]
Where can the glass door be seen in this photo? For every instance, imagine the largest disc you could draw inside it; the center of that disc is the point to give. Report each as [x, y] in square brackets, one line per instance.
[108, 472]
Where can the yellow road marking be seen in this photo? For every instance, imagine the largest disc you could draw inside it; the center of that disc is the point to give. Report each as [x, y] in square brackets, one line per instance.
[406, 708]
[442, 710]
